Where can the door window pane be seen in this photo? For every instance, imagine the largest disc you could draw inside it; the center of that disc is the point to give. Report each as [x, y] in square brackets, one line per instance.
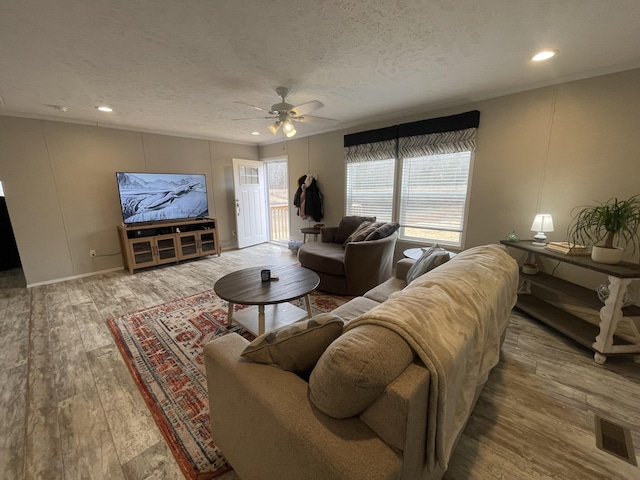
[249, 176]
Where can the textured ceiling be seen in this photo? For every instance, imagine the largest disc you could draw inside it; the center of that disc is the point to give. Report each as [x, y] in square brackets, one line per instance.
[178, 67]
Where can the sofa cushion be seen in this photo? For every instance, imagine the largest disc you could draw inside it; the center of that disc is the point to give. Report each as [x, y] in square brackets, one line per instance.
[296, 347]
[347, 226]
[356, 368]
[383, 231]
[430, 259]
[362, 232]
[322, 257]
[354, 308]
[383, 291]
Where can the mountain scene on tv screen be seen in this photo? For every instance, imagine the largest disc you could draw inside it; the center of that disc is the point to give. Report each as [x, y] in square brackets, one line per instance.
[153, 197]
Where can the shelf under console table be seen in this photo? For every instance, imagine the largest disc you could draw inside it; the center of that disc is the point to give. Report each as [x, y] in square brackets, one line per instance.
[602, 339]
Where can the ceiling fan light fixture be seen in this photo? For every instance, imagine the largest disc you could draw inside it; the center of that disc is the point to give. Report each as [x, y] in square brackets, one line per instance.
[274, 127]
[287, 127]
[291, 133]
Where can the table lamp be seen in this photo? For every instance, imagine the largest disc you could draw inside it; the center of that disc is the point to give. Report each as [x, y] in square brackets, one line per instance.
[541, 224]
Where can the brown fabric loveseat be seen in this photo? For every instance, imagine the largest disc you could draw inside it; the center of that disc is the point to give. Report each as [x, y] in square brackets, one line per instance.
[380, 403]
[350, 267]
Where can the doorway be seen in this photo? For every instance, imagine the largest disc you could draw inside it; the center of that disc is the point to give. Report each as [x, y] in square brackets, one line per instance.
[250, 195]
[11, 275]
[278, 199]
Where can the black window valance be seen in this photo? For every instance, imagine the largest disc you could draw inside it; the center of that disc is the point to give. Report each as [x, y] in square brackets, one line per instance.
[451, 123]
[442, 135]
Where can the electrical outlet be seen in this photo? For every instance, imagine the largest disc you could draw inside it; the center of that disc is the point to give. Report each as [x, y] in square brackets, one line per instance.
[233, 233]
[92, 253]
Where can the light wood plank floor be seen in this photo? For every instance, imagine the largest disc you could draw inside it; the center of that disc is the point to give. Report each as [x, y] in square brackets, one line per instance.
[70, 410]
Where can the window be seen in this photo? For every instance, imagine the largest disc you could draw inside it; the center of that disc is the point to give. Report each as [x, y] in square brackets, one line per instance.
[249, 176]
[370, 189]
[428, 196]
[278, 197]
[433, 197]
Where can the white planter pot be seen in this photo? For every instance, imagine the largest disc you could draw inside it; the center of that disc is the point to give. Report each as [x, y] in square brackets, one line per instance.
[607, 255]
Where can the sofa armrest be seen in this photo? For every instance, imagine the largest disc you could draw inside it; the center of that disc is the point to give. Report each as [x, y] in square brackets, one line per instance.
[402, 267]
[266, 427]
[328, 234]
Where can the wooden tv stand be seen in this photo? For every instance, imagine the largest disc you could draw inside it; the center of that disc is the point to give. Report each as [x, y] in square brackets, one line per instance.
[146, 245]
[602, 339]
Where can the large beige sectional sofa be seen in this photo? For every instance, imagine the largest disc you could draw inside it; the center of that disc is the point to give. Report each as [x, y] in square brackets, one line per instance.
[389, 398]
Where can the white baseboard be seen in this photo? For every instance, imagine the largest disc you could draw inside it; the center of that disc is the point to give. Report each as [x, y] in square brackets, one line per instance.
[73, 277]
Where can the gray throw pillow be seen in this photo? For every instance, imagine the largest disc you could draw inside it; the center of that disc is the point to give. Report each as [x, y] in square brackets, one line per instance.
[362, 232]
[348, 225]
[296, 347]
[430, 259]
[383, 231]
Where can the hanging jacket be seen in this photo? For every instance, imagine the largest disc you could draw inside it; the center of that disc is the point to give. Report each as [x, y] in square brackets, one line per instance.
[296, 197]
[313, 201]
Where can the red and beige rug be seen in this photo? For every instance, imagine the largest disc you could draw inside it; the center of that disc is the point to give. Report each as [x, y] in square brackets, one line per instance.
[162, 346]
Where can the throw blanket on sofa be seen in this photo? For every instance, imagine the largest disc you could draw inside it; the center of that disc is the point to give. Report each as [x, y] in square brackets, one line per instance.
[453, 318]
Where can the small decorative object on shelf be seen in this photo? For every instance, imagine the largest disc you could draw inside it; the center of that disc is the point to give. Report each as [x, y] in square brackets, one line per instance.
[530, 268]
[542, 223]
[628, 298]
[567, 248]
[512, 237]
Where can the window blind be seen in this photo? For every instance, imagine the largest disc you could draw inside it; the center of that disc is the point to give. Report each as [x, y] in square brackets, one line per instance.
[370, 188]
[434, 191]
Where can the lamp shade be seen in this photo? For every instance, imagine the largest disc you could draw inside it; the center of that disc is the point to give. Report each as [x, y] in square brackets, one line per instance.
[542, 223]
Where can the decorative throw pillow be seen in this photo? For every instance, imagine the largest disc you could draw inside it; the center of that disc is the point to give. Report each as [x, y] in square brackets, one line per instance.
[296, 347]
[347, 226]
[362, 232]
[356, 369]
[430, 259]
[383, 231]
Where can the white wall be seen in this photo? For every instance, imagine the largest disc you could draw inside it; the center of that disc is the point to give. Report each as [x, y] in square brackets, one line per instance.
[62, 195]
[548, 149]
[545, 150]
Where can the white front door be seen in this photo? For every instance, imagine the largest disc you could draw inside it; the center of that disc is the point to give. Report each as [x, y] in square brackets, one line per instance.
[250, 198]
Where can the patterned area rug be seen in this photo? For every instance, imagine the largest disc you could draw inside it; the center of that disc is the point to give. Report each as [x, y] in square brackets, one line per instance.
[162, 346]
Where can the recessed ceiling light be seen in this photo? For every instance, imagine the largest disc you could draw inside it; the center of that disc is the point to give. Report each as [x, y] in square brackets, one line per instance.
[104, 108]
[543, 55]
[255, 133]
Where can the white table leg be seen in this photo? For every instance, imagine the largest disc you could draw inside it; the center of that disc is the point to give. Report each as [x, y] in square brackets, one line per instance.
[307, 302]
[610, 315]
[260, 319]
[230, 314]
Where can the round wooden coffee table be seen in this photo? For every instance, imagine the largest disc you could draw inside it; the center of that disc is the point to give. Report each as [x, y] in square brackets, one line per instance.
[270, 299]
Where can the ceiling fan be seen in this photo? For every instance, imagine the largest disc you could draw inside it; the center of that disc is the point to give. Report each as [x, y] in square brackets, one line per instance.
[284, 114]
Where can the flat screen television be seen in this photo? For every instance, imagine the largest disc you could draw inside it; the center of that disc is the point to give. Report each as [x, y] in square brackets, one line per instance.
[158, 197]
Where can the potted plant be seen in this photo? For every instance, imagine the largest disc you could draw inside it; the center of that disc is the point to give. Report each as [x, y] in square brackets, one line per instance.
[605, 224]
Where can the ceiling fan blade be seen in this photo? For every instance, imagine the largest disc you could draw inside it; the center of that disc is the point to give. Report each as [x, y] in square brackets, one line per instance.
[254, 118]
[305, 108]
[309, 119]
[254, 106]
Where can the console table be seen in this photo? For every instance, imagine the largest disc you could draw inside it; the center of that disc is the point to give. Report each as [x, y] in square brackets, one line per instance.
[602, 338]
[146, 245]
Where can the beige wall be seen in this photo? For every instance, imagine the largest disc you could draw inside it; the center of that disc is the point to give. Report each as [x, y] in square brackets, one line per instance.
[62, 196]
[545, 150]
[549, 150]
